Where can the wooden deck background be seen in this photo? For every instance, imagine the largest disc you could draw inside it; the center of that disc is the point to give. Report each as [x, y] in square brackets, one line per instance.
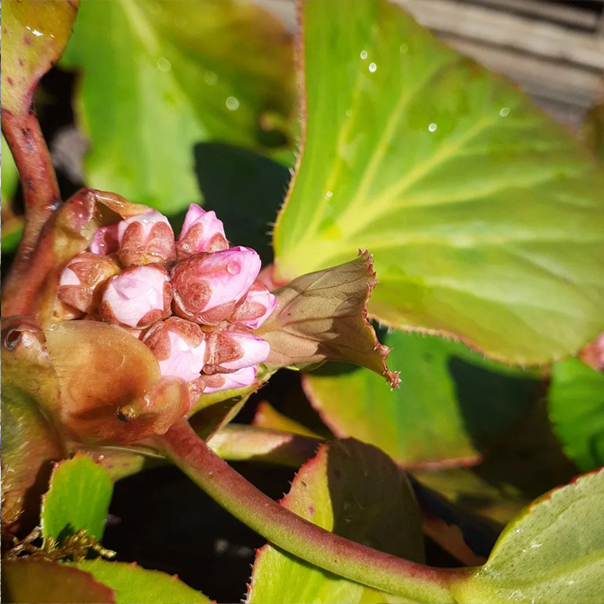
[554, 51]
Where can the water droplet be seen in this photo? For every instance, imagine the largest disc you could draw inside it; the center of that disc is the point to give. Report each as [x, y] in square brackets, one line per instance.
[232, 103]
[372, 67]
[329, 195]
[375, 28]
[504, 111]
[210, 78]
[432, 127]
[348, 112]
[163, 64]
[363, 54]
[403, 49]
[35, 32]
[233, 268]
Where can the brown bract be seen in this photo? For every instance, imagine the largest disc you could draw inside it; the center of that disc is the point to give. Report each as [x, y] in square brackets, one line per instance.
[138, 248]
[192, 294]
[157, 338]
[221, 348]
[92, 271]
[189, 243]
[111, 389]
[322, 316]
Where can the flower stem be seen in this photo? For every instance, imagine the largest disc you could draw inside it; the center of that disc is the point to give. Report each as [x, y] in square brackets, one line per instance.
[292, 533]
[40, 192]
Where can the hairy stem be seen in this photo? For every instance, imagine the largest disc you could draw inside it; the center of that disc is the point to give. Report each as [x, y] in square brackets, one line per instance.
[296, 535]
[40, 193]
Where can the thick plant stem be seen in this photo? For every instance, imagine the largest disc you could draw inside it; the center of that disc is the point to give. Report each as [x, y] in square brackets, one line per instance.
[288, 531]
[40, 190]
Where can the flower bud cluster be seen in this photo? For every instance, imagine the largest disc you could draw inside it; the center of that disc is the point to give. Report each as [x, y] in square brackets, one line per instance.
[194, 302]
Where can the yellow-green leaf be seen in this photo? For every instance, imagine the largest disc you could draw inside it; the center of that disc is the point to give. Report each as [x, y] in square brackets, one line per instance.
[485, 218]
[78, 499]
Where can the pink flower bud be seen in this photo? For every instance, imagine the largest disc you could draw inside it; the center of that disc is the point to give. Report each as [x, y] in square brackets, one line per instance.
[105, 241]
[146, 239]
[256, 307]
[231, 350]
[208, 287]
[81, 278]
[227, 381]
[201, 232]
[179, 346]
[139, 296]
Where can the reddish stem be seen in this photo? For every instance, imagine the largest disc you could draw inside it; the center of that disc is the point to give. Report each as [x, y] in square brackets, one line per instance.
[40, 191]
[296, 535]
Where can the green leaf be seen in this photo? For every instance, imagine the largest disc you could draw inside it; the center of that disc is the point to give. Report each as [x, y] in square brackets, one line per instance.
[34, 33]
[135, 585]
[485, 218]
[355, 491]
[551, 553]
[29, 581]
[451, 406]
[168, 75]
[78, 498]
[576, 410]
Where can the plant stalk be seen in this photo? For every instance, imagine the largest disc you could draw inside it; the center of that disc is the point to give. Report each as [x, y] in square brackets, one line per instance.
[295, 535]
[40, 193]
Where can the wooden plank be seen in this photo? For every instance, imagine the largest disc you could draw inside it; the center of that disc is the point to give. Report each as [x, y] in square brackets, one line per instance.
[528, 35]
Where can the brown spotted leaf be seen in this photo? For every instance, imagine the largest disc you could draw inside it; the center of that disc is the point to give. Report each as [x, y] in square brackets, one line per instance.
[34, 34]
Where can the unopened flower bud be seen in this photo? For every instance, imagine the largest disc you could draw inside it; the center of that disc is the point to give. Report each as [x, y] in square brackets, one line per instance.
[256, 307]
[179, 346]
[227, 381]
[137, 297]
[146, 239]
[230, 350]
[81, 278]
[105, 241]
[201, 232]
[208, 287]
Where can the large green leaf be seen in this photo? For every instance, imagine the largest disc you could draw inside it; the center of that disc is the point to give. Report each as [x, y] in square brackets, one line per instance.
[551, 553]
[159, 77]
[38, 581]
[451, 405]
[357, 492]
[486, 219]
[576, 409]
[78, 498]
[135, 585]
[34, 33]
